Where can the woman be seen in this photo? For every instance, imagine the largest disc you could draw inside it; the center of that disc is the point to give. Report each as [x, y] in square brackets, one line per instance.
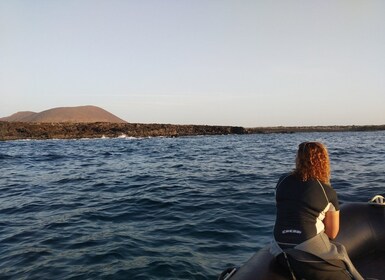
[307, 217]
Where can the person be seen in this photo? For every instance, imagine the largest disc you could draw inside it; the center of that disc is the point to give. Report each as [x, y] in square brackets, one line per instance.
[307, 220]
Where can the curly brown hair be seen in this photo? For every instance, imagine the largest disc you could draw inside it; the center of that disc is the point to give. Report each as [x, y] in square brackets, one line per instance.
[313, 162]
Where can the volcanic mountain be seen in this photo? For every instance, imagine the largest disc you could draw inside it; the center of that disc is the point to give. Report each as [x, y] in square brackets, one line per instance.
[80, 114]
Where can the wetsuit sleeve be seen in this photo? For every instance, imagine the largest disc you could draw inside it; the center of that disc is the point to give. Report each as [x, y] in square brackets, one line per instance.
[332, 195]
[281, 179]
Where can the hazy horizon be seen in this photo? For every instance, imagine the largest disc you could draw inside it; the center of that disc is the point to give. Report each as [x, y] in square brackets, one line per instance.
[261, 126]
[242, 63]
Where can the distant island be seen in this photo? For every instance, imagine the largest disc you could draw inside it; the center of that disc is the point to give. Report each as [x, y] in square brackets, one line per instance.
[94, 122]
[79, 114]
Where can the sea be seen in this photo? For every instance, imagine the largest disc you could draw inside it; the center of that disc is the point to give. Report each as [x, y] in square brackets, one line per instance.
[157, 208]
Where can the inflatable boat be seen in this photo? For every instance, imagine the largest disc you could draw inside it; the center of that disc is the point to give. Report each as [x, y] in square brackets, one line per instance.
[362, 231]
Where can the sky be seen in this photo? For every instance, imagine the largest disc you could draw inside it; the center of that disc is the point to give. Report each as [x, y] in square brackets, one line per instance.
[215, 62]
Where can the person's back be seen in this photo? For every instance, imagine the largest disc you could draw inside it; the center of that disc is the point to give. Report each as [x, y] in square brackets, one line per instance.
[301, 208]
[307, 216]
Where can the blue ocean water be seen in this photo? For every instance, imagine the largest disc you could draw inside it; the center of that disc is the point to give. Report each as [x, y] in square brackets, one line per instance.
[157, 208]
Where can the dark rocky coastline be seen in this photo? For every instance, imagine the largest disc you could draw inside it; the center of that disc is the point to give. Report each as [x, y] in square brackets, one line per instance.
[29, 130]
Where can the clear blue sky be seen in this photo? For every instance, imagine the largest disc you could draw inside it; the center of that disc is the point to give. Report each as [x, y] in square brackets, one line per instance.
[227, 62]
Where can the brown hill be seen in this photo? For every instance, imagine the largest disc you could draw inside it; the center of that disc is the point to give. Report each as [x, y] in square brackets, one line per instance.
[19, 116]
[80, 114]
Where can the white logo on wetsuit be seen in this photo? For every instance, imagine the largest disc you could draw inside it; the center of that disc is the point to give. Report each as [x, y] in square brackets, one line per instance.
[296, 231]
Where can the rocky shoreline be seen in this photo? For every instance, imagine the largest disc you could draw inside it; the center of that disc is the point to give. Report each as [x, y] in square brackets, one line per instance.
[29, 130]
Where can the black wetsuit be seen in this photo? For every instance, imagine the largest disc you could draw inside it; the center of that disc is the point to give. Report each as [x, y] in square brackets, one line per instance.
[301, 207]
